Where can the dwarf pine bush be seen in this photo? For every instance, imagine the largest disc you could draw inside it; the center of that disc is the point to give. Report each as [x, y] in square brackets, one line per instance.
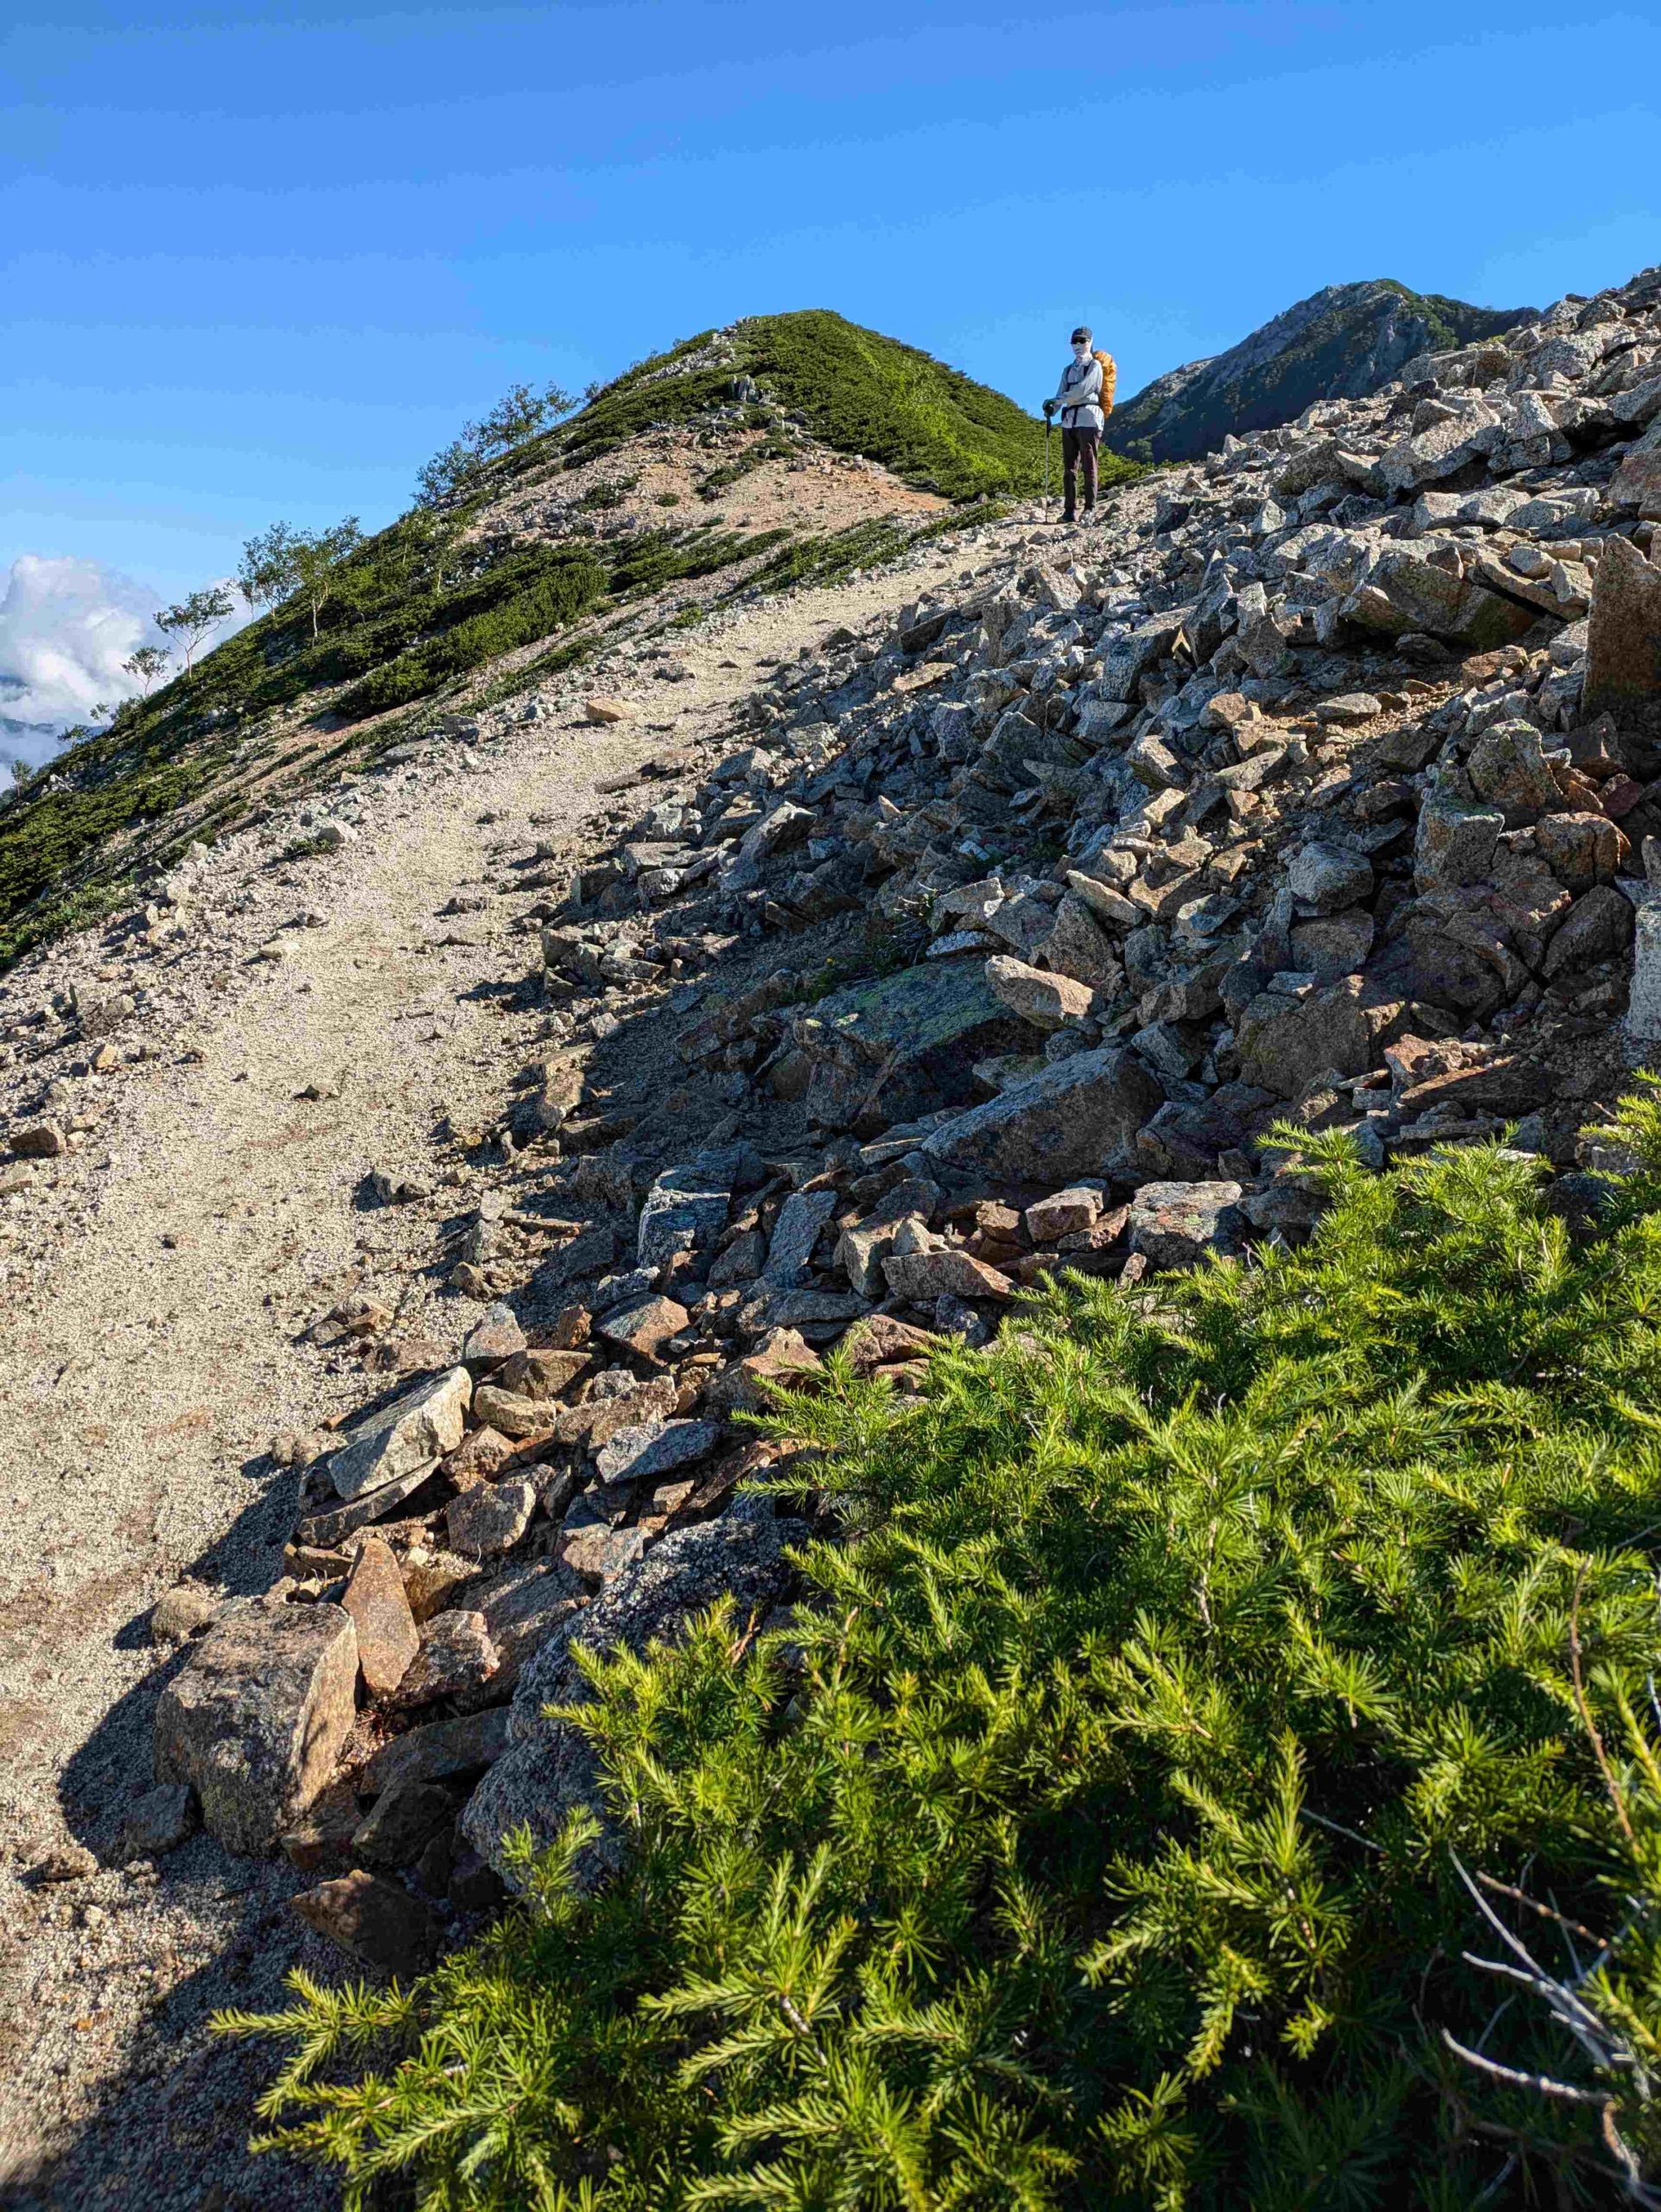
[1108, 1826]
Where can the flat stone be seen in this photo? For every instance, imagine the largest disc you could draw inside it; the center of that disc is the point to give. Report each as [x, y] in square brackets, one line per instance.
[456, 1657]
[644, 1326]
[654, 1449]
[922, 1277]
[387, 1636]
[1175, 1224]
[544, 1373]
[484, 1523]
[598, 1420]
[256, 1719]
[159, 1821]
[1045, 1001]
[402, 1823]
[441, 1751]
[549, 1772]
[324, 1530]
[423, 1425]
[1080, 1118]
[373, 1919]
[604, 708]
[1623, 650]
[882, 1339]
[514, 1414]
[1284, 1042]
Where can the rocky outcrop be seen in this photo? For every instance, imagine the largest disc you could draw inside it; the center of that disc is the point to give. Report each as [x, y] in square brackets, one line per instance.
[1344, 342]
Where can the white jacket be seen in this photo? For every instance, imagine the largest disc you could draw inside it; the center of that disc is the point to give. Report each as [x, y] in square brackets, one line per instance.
[1080, 389]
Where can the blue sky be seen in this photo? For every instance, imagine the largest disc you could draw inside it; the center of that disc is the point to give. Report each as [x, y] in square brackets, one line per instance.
[261, 260]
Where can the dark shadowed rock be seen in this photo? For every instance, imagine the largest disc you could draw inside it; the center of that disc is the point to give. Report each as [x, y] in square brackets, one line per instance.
[1079, 1118]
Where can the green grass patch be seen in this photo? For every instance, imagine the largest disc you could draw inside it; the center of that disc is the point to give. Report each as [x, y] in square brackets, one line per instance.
[1093, 1835]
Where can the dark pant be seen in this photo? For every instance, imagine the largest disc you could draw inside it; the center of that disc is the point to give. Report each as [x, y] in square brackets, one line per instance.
[1080, 446]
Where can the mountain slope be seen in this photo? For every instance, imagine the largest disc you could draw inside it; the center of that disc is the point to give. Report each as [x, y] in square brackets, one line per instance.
[1341, 343]
[676, 488]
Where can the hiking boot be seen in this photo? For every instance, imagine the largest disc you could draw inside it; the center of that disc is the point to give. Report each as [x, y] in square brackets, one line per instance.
[1067, 515]
[1089, 516]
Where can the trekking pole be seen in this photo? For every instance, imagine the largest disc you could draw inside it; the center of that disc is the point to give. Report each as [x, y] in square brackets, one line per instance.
[1049, 425]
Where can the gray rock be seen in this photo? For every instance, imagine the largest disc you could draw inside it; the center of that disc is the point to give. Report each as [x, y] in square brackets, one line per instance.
[907, 1044]
[1175, 1224]
[159, 1821]
[1076, 1119]
[490, 1519]
[1455, 843]
[256, 1720]
[654, 1448]
[1324, 878]
[456, 1658]
[1402, 595]
[403, 1821]
[1644, 1005]
[802, 1216]
[422, 1426]
[549, 1772]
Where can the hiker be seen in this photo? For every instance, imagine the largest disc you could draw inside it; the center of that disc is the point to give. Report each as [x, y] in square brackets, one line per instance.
[1079, 400]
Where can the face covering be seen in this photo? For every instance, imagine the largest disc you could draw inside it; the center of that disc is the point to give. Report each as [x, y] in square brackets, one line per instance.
[1081, 353]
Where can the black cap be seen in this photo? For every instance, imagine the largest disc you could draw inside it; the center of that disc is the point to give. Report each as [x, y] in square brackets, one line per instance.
[1081, 333]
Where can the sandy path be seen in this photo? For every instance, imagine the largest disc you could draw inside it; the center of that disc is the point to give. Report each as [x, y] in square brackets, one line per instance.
[142, 1383]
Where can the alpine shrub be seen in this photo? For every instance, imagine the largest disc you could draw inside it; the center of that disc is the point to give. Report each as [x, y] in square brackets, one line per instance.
[1105, 1826]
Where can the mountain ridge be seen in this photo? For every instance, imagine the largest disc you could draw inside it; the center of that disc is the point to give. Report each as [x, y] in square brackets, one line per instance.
[1344, 341]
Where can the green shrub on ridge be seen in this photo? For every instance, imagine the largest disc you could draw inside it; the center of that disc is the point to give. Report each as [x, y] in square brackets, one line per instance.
[1098, 1833]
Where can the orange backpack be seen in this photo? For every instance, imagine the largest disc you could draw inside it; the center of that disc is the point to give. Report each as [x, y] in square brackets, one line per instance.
[1109, 381]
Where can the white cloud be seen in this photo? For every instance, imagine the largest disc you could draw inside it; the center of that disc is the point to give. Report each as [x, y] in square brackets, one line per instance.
[66, 626]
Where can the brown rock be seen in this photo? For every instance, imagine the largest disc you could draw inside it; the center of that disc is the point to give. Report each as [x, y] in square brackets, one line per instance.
[646, 1326]
[881, 1339]
[602, 709]
[569, 1328]
[456, 1655]
[481, 1456]
[184, 1612]
[1623, 652]
[39, 1141]
[545, 1373]
[441, 1751]
[374, 1921]
[325, 1530]
[256, 1720]
[387, 1640]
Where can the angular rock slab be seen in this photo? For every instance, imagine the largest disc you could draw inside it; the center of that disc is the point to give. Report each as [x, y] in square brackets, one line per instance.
[255, 1722]
[1079, 1118]
[387, 1636]
[1623, 649]
[548, 1771]
[424, 1424]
